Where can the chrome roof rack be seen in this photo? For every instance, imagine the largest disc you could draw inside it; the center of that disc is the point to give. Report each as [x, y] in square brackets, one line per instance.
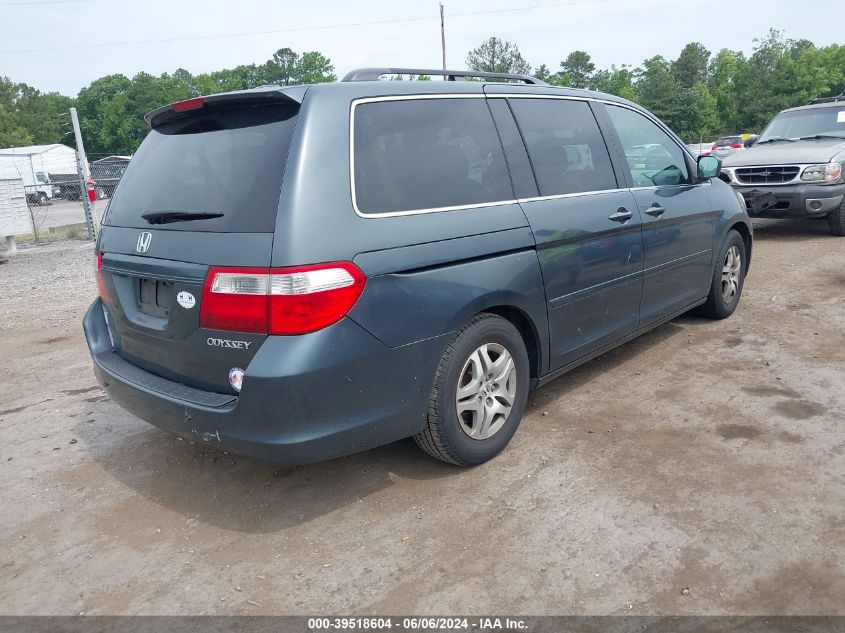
[373, 74]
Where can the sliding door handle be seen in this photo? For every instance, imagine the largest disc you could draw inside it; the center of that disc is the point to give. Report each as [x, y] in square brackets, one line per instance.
[622, 215]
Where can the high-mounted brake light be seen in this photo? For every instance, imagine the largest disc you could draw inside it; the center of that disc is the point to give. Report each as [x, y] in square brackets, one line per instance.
[188, 104]
[294, 300]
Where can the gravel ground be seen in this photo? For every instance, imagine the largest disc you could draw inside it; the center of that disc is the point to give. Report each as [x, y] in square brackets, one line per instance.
[696, 470]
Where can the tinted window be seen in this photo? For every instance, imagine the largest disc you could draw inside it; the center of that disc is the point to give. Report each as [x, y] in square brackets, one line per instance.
[228, 162]
[565, 145]
[652, 156]
[427, 154]
[728, 140]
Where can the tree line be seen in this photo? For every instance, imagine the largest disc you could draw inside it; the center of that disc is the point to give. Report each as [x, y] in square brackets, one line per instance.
[111, 109]
[700, 95]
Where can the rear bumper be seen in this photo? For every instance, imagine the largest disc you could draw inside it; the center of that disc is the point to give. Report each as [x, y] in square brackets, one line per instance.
[304, 398]
[795, 201]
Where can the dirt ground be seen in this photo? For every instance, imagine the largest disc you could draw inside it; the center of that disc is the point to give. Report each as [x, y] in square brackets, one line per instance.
[697, 470]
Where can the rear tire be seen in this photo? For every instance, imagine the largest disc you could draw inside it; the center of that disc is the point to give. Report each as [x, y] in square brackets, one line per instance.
[836, 220]
[484, 372]
[728, 278]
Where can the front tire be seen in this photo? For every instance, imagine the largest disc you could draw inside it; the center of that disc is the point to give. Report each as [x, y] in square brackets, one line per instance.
[479, 393]
[728, 278]
[836, 220]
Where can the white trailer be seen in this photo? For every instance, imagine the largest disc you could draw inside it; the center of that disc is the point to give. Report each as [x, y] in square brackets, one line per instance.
[34, 165]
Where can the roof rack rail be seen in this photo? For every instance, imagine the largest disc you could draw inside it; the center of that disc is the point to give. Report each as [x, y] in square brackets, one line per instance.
[372, 74]
[840, 97]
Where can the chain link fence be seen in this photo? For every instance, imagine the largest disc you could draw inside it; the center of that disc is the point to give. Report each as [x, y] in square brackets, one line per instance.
[41, 196]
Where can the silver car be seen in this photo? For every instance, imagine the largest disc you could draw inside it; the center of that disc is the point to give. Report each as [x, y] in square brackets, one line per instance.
[727, 145]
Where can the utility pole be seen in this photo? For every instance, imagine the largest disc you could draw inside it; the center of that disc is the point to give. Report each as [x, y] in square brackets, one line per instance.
[82, 171]
[442, 37]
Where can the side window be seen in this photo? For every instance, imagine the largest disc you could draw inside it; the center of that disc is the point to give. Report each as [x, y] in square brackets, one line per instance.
[652, 156]
[427, 154]
[565, 145]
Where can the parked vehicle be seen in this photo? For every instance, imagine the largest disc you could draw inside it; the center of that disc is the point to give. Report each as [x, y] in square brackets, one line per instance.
[727, 145]
[700, 149]
[795, 168]
[297, 273]
[107, 172]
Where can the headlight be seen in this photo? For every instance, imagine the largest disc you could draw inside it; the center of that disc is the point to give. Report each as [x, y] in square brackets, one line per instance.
[826, 172]
[728, 173]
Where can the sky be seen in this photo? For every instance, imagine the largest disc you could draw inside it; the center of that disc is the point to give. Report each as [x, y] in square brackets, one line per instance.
[63, 45]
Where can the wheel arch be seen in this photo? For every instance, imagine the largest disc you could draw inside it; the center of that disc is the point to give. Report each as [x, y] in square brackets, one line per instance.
[527, 330]
[747, 236]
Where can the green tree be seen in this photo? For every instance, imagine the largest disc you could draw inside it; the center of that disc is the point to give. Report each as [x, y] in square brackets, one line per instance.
[281, 69]
[656, 87]
[43, 115]
[12, 134]
[238, 78]
[691, 67]
[724, 83]
[289, 68]
[617, 81]
[577, 69]
[314, 68]
[693, 113]
[91, 103]
[495, 55]
[543, 73]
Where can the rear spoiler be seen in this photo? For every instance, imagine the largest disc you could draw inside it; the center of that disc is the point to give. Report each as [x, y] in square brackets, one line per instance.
[256, 96]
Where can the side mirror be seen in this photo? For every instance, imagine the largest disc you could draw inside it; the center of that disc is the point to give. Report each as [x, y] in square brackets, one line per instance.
[709, 167]
[751, 140]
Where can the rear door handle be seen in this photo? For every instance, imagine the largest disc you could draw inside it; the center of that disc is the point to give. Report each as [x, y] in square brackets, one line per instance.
[622, 215]
[655, 210]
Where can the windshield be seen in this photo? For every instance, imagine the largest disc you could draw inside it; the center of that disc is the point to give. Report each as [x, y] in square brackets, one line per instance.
[728, 140]
[829, 121]
[225, 167]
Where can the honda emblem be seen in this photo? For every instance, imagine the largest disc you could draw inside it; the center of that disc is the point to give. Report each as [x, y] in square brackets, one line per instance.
[144, 240]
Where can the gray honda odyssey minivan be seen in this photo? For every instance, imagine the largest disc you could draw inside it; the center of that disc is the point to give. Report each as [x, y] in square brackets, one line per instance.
[298, 273]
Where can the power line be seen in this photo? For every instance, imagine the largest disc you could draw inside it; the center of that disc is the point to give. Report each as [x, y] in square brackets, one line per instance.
[289, 30]
[39, 4]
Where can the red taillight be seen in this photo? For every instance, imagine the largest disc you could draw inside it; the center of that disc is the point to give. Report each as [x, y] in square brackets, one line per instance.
[236, 299]
[188, 104]
[736, 145]
[101, 286]
[294, 300]
[714, 147]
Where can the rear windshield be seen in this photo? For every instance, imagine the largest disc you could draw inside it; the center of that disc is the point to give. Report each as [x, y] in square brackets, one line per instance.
[728, 140]
[230, 162]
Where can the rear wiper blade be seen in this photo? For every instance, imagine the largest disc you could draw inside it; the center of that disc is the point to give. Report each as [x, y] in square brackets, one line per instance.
[775, 139]
[166, 217]
[821, 136]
